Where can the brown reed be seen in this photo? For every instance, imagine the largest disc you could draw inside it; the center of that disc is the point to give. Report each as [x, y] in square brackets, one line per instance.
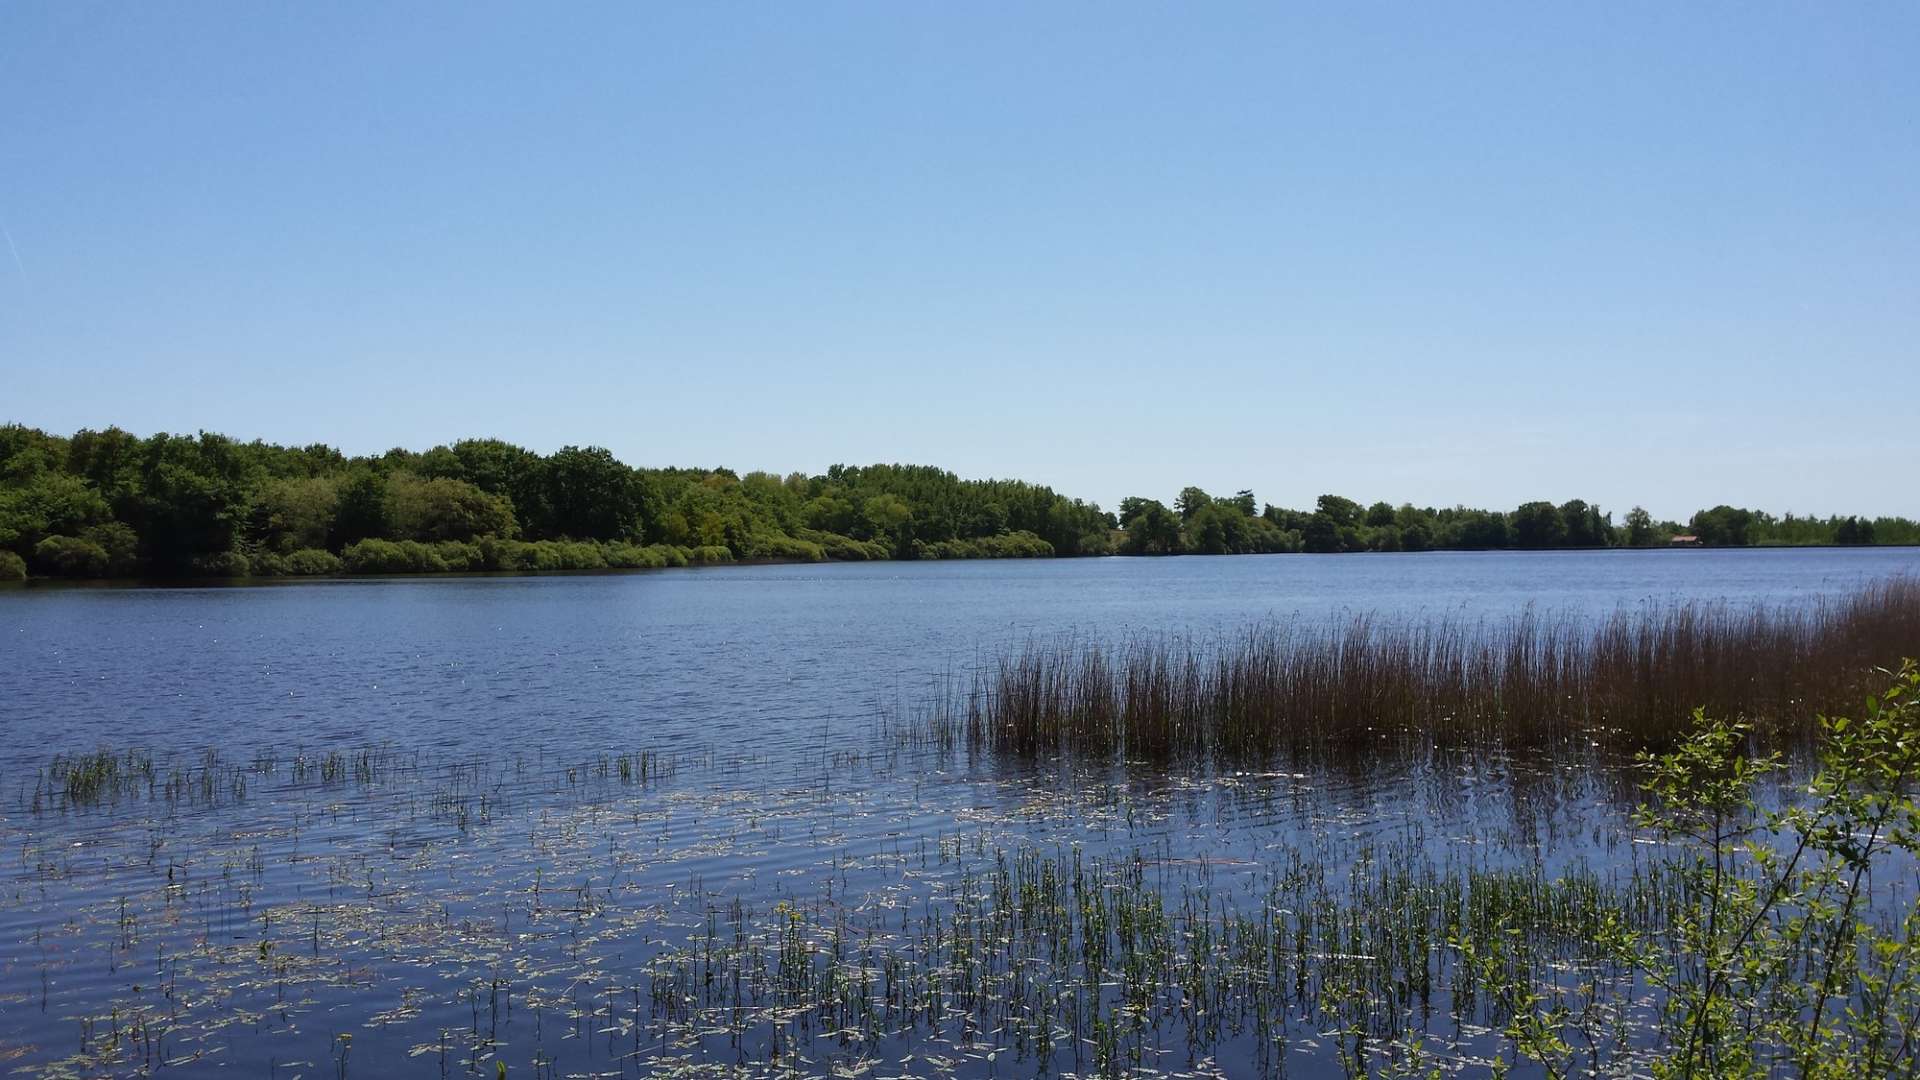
[1626, 681]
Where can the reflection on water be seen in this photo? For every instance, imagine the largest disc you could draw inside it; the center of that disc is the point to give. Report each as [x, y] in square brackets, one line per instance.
[439, 825]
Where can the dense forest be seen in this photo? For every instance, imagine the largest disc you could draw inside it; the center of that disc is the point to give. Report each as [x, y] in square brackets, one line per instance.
[112, 504]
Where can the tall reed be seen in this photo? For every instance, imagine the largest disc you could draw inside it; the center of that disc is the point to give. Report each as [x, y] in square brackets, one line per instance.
[1626, 681]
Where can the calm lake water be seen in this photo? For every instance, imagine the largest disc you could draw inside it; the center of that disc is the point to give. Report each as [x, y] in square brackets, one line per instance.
[762, 658]
[374, 804]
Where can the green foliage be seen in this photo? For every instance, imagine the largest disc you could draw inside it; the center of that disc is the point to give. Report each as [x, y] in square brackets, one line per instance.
[173, 504]
[1853, 531]
[1639, 528]
[1538, 525]
[585, 494]
[374, 556]
[306, 562]
[442, 508]
[120, 543]
[1772, 965]
[193, 498]
[293, 513]
[1151, 529]
[221, 564]
[782, 548]
[1014, 545]
[844, 548]
[1191, 501]
[1778, 927]
[1723, 526]
[1584, 526]
[1342, 512]
[361, 511]
[12, 567]
[47, 504]
[69, 556]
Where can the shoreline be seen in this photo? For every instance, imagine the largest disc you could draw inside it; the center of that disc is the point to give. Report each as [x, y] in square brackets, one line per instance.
[203, 581]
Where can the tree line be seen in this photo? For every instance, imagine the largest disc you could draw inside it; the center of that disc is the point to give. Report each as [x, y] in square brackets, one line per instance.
[1199, 523]
[112, 504]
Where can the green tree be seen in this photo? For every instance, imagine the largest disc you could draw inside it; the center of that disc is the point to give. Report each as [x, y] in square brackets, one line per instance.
[1219, 529]
[1191, 501]
[194, 498]
[1639, 527]
[1151, 529]
[1324, 535]
[589, 495]
[1723, 526]
[47, 504]
[292, 514]
[361, 510]
[1479, 530]
[1584, 525]
[1342, 512]
[119, 543]
[445, 509]
[886, 518]
[1853, 531]
[1538, 525]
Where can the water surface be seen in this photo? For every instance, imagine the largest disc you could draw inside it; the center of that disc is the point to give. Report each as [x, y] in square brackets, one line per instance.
[403, 802]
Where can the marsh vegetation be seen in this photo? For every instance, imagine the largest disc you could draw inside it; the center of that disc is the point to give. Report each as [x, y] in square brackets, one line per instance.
[1381, 847]
[1367, 685]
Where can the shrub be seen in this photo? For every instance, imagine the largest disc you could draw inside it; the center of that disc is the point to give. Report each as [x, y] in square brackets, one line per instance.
[542, 555]
[652, 557]
[624, 556]
[844, 548]
[1013, 545]
[460, 556]
[498, 554]
[579, 555]
[668, 554]
[12, 567]
[709, 553]
[121, 544]
[222, 564]
[392, 557]
[775, 546]
[70, 556]
[310, 562]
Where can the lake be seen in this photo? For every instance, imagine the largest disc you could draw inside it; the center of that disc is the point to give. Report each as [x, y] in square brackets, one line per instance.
[440, 825]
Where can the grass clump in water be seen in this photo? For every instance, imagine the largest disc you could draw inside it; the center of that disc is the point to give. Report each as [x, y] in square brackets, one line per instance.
[1365, 685]
[99, 776]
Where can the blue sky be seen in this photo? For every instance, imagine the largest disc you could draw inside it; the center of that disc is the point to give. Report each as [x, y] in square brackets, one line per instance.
[1461, 253]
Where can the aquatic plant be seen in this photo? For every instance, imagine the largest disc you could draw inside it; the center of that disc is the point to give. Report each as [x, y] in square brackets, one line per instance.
[1371, 686]
[89, 779]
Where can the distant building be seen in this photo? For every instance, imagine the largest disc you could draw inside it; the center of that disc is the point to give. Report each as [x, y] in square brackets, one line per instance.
[1684, 540]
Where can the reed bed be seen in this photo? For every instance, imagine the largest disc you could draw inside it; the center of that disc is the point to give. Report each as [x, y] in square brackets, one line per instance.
[1627, 681]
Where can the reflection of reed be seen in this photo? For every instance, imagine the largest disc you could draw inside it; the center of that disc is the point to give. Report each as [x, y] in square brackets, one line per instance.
[1368, 684]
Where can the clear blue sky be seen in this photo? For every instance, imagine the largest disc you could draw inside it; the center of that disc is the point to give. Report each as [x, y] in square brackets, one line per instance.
[1479, 253]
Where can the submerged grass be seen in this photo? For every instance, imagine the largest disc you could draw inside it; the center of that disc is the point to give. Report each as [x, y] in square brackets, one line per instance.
[1365, 685]
[1133, 964]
